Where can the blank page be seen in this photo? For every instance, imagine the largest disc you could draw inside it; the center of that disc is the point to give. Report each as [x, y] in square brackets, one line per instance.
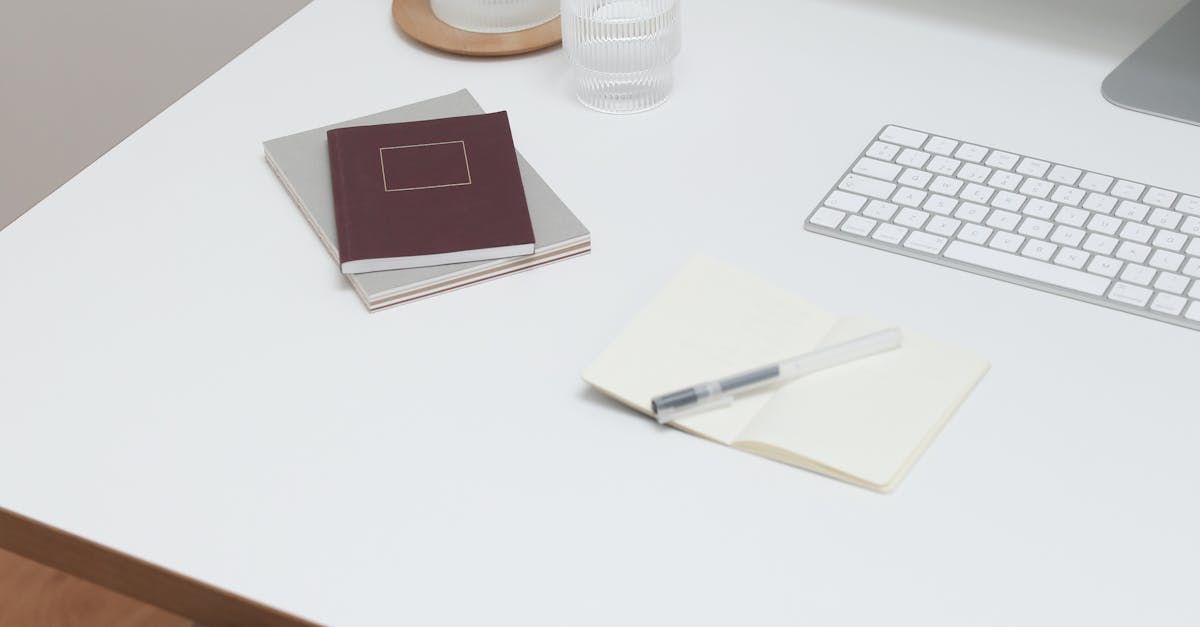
[866, 422]
[710, 321]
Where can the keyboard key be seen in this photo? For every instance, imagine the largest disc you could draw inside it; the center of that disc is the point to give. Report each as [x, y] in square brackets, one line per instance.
[1008, 201]
[1195, 291]
[1067, 195]
[1099, 203]
[827, 217]
[1038, 249]
[1191, 226]
[1189, 204]
[1002, 160]
[858, 225]
[943, 165]
[913, 158]
[1160, 197]
[845, 201]
[1192, 267]
[1171, 282]
[877, 169]
[1194, 248]
[1005, 180]
[1166, 260]
[975, 234]
[880, 210]
[1039, 208]
[1103, 224]
[1095, 182]
[1129, 210]
[925, 242]
[971, 152]
[1193, 312]
[1033, 167]
[974, 173]
[867, 186]
[883, 150]
[946, 185]
[914, 178]
[941, 146]
[1029, 268]
[889, 233]
[1130, 251]
[1100, 244]
[1008, 242]
[1105, 266]
[1128, 190]
[1169, 304]
[1072, 216]
[912, 218]
[1033, 227]
[940, 204]
[903, 136]
[1137, 273]
[1164, 218]
[1067, 236]
[977, 193]
[1107, 225]
[1170, 240]
[910, 197]
[1130, 294]
[1004, 220]
[1036, 188]
[972, 212]
[1063, 174]
[1071, 258]
[1137, 232]
[941, 225]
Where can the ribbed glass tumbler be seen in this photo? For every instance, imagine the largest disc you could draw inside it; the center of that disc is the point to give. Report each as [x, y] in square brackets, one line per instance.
[622, 51]
[494, 16]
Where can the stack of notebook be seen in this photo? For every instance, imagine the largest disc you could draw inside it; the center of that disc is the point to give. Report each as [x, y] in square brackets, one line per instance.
[412, 210]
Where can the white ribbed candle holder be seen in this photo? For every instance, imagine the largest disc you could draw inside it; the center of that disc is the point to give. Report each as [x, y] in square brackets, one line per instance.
[622, 51]
[494, 16]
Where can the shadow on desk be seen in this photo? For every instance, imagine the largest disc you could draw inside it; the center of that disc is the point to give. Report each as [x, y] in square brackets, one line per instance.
[592, 396]
[1111, 27]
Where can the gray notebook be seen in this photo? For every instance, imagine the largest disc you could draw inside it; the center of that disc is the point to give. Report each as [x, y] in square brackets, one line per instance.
[302, 163]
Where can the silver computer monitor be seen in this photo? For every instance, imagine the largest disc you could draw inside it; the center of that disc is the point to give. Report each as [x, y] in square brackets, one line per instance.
[1163, 76]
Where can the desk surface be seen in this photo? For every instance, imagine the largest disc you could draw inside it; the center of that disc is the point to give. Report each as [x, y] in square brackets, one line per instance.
[186, 378]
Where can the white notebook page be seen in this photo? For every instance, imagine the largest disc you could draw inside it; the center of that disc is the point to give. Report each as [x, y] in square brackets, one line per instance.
[865, 423]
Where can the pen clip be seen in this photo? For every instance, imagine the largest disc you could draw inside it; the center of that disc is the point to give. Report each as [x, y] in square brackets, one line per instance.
[709, 404]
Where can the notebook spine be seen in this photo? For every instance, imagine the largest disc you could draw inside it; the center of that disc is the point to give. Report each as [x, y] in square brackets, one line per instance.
[341, 212]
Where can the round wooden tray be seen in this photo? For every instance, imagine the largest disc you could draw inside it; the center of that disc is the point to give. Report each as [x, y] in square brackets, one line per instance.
[417, 20]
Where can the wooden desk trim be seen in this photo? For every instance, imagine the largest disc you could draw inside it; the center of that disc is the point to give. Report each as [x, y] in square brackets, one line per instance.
[128, 575]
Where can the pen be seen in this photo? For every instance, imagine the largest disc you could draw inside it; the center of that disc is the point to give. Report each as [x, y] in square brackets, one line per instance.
[669, 406]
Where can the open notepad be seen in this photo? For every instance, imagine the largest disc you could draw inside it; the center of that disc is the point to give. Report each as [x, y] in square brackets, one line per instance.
[865, 423]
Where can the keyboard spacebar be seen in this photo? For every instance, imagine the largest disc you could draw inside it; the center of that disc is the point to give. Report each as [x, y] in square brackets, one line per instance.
[1028, 268]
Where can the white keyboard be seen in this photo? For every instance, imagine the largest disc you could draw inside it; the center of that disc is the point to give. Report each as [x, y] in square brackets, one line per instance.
[1065, 230]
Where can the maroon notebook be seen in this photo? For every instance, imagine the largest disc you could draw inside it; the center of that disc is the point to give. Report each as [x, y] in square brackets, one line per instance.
[428, 193]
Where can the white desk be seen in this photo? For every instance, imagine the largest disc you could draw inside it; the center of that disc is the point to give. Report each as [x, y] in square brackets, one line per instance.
[185, 377]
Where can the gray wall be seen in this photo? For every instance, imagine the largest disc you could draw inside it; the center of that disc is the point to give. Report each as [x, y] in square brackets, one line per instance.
[78, 76]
